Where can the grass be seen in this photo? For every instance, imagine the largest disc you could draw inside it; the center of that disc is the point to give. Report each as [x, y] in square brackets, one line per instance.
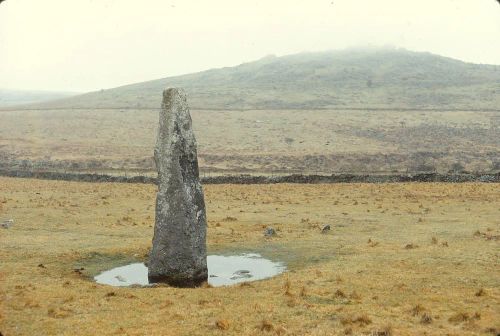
[336, 284]
[253, 141]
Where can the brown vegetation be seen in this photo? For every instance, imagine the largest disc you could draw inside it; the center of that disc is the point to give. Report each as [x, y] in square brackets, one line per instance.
[337, 284]
[326, 141]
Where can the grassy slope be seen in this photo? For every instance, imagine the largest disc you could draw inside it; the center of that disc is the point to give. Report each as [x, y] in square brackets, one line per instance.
[374, 78]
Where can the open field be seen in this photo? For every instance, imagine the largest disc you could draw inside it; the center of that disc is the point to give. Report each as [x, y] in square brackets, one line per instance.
[401, 259]
[257, 141]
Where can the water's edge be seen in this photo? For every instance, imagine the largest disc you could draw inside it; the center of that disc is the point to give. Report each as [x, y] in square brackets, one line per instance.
[222, 270]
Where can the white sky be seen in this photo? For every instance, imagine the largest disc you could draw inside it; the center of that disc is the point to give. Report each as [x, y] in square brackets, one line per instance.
[83, 45]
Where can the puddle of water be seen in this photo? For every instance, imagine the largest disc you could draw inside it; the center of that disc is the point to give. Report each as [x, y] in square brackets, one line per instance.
[222, 271]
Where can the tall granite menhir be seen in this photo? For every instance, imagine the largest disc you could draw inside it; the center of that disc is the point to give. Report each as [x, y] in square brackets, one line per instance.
[179, 254]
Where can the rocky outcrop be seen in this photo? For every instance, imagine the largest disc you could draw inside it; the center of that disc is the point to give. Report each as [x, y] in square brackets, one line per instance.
[179, 255]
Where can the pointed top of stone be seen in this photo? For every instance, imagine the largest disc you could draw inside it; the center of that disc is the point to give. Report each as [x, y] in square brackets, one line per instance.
[175, 131]
[171, 94]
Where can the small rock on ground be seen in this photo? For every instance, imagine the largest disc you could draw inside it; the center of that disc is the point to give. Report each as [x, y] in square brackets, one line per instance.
[270, 232]
[7, 224]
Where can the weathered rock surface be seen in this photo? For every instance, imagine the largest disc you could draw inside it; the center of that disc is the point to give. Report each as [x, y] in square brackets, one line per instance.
[179, 255]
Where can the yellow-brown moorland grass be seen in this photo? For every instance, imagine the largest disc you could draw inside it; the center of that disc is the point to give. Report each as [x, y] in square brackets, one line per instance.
[400, 259]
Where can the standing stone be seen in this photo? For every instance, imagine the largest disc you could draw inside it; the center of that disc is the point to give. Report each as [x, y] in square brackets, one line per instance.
[179, 253]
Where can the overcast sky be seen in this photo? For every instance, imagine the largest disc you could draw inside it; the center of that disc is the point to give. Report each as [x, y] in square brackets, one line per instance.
[84, 45]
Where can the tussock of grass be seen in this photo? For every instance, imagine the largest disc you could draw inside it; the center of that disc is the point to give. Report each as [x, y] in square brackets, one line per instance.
[167, 303]
[486, 235]
[417, 310]
[266, 325]
[463, 317]
[355, 296]
[245, 284]
[492, 330]
[281, 331]
[361, 320]
[385, 331]
[222, 324]
[480, 292]
[426, 319]
[339, 294]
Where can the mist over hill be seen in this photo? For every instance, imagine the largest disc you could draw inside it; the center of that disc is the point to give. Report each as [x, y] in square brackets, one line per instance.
[351, 78]
[9, 97]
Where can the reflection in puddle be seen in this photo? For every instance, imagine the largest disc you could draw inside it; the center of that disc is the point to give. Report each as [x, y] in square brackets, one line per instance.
[222, 271]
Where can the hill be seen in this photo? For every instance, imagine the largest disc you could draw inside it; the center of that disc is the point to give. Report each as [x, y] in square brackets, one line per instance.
[304, 113]
[352, 78]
